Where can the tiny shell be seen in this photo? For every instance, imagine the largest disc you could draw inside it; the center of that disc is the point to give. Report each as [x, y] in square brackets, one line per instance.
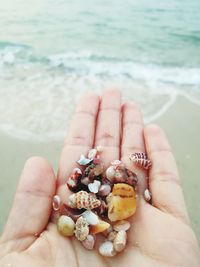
[73, 181]
[120, 241]
[99, 228]
[104, 190]
[99, 149]
[147, 195]
[91, 217]
[84, 200]
[94, 187]
[92, 153]
[107, 249]
[110, 173]
[98, 169]
[89, 242]
[141, 160]
[116, 163]
[83, 160]
[82, 229]
[121, 225]
[56, 203]
[72, 201]
[65, 225]
[112, 236]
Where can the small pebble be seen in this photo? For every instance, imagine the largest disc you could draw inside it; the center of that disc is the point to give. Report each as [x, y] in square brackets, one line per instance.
[147, 195]
[65, 225]
[107, 249]
[89, 242]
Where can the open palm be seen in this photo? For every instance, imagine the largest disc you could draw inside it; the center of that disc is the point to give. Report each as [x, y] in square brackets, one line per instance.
[161, 234]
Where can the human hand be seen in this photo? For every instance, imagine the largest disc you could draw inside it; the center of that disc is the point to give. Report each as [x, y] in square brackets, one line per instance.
[161, 234]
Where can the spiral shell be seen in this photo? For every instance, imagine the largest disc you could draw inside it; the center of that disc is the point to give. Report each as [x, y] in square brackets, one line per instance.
[84, 200]
[82, 230]
[141, 159]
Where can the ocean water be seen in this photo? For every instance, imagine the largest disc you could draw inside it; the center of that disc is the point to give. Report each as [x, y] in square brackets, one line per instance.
[52, 52]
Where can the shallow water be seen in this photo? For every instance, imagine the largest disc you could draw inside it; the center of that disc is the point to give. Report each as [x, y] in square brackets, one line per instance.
[51, 52]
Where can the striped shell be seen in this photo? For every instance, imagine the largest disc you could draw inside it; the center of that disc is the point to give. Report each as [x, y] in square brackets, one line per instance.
[141, 159]
[84, 200]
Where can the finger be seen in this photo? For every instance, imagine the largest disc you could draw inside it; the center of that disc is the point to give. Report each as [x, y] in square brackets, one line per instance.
[32, 204]
[109, 125]
[133, 140]
[164, 181]
[79, 140]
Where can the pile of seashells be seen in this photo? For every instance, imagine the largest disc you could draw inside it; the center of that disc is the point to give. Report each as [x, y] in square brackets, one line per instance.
[101, 202]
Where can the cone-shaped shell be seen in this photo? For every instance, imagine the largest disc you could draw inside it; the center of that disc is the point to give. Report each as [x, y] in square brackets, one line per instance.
[86, 201]
[122, 203]
[99, 228]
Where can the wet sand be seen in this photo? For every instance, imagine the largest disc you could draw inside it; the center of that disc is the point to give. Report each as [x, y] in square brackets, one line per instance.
[182, 125]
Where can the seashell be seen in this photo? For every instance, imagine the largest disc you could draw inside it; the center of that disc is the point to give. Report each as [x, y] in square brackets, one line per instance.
[101, 210]
[84, 200]
[122, 203]
[82, 229]
[77, 170]
[120, 176]
[141, 159]
[121, 225]
[104, 190]
[94, 187]
[84, 161]
[89, 242]
[116, 163]
[92, 153]
[107, 249]
[147, 195]
[99, 228]
[91, 217]
[120, 241]
[65, 226]
[110, 173]
[112, 236]
[56, 203]
[73, 181]
[98, 169]
[71, 212]
[99, 149]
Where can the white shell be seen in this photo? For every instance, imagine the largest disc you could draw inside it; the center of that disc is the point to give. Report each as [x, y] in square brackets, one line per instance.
[147, 195]
[110, 173]
[92, 153]
[121, 225]
[89, 242]
[120, 241]
[99, 149]
[91, 217]
[83, 160]
[56, 203]
[65, 225]
[94, 187]
[104, 190]
[107, 249]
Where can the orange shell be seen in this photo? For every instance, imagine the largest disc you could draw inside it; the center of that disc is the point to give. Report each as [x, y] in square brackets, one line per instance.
[122, 204]
[99, 228]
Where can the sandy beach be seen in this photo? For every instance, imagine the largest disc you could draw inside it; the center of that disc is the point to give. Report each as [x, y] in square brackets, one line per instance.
[182, 124]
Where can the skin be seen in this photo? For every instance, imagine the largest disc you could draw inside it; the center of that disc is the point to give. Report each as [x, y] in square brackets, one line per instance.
[161, 234]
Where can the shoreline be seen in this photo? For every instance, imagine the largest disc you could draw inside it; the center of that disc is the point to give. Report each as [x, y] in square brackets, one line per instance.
[181, 123]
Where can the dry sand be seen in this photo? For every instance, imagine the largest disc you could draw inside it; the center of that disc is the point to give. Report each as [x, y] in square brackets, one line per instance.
[182, 125]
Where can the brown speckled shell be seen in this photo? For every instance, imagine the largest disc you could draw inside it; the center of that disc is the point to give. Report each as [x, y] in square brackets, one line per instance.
[87, 201]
